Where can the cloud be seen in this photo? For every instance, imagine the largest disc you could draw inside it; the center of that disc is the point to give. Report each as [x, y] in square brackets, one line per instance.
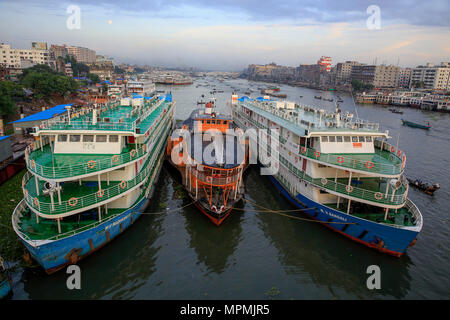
[414, 12]
[396, 46]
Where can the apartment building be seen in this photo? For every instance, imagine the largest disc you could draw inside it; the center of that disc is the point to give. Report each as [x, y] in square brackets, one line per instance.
[404, 77]
[432, 77]
[379, 76]
[344, 71]
[16, 58]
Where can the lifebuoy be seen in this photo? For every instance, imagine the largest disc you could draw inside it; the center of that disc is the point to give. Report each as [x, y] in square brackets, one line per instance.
[349, 189]
[100, 193]
[115, 158]
[72, 201]
[123, 184]
[91, 164]
[42, 126]
[214, 208]
[302, 149]
[340, 159]
[399, 153]
[133, 152]
[316, 154]
[144, 147]
[369, 164]
[378, 195]
[36, 202]
[222, 208]
[33, 163]
[392, 149]
[209, 179]
[25, 191]
[323, 181]
[228, 179]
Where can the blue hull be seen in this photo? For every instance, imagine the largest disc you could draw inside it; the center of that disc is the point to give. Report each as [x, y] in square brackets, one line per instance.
[57, 254]
[384, 238]
[5, 288]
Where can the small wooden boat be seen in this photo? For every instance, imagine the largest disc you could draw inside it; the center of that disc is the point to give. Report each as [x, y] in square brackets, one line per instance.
[425, 187]
[416, 125]
[5, 280]
[395, 111]
[318, 97]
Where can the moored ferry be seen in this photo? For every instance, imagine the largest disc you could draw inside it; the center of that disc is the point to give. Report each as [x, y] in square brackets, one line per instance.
[91, 171]
[339, 170]
[215, 184]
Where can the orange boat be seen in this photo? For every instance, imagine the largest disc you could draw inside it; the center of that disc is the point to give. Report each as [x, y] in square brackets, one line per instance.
[211, 157]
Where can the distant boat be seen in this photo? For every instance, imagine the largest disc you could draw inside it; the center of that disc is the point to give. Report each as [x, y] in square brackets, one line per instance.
[416, 125]
[425, 187]
[301, 96]
[396, 111]
[318, 97]
[340, 100]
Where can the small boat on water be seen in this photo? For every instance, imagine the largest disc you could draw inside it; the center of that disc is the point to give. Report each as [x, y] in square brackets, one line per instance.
[395, 111]
[318, 97]
[425, 187]
[340, 100]
[5, 280]
[416, 125]
[330, 100]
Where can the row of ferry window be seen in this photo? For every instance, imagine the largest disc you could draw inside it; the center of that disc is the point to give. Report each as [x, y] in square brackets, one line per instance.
[214, 121]
[87, 138]
[346, 139]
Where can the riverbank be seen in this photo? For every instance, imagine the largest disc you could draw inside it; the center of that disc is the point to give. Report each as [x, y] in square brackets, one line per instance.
[11, 249]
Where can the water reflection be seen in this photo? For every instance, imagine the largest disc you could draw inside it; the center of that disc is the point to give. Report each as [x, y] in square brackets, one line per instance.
[329, 259]
[116, 271]
[213, 245]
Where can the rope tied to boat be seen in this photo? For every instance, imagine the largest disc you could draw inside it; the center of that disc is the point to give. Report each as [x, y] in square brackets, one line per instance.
[281, 213]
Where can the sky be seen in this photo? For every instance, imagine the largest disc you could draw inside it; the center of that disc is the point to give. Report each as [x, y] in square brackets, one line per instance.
[230, 34]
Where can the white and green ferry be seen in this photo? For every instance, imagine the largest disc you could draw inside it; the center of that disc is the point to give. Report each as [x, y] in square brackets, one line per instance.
[340, 170]
[90, 173]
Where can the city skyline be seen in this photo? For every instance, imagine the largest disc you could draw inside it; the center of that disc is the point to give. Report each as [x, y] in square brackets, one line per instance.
[231, 35]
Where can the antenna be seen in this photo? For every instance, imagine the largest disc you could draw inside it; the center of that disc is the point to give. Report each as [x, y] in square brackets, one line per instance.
[354, 104]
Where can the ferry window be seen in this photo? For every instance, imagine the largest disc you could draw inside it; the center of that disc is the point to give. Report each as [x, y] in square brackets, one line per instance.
[225, 122]
[332, 139]
[208, 121]
[219, 121]
[361, 139]
[75, 138]
[100, 138]
[113, 138]
[339, 139]
[62, 137]
[88, 138]
[354, 139]
[324, 139]
[346, 139]
[213, 121]
[368, 139]
[203, 121]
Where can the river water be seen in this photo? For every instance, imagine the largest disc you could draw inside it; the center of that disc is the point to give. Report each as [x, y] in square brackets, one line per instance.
[182, 255]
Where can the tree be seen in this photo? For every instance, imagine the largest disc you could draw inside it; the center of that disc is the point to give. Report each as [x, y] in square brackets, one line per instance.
[79, 69]
[9, 93]
[45, 84]
[93, 77]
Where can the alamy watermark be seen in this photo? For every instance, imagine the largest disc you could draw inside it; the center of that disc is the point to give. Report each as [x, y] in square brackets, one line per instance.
[373, 22]
[212, 147]
[73, 21]
[374, 280]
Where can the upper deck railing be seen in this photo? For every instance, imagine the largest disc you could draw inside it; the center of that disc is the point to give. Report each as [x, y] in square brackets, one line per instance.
[81, 119]
[314, 119]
